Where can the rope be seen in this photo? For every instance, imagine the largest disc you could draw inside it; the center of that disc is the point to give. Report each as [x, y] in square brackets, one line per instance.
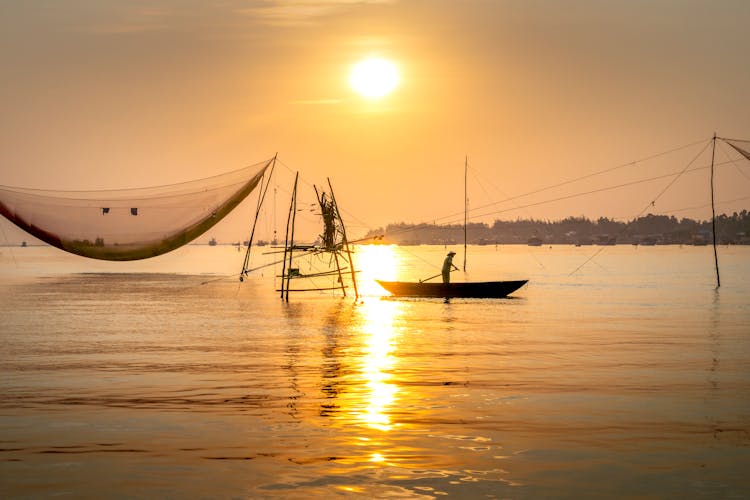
[587, 176]
[415, 227]
[182, 183]
[7, 242]
[695, 207]
[528, 251]
[652, 203]
[261, 197]
[721, 147]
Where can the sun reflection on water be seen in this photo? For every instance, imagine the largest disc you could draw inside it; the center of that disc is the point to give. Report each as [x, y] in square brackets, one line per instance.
[378, 362]
[375, 262]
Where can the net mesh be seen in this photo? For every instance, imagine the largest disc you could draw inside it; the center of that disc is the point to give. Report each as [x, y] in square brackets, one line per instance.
[742, 147]
[128, 224]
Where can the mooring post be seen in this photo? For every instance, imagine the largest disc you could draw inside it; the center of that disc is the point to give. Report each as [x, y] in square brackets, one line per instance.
[713, 213]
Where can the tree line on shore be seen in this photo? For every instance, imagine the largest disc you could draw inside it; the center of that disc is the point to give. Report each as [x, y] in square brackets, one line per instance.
[647, 230]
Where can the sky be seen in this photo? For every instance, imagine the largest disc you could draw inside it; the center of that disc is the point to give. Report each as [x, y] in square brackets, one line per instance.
[110, 94]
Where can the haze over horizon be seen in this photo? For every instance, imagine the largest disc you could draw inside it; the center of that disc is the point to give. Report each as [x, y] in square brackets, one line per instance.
[116, 95]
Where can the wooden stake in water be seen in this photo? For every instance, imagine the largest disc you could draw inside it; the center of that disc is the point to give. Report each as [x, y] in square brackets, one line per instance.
[466, 205]
[286, 270]
[713, 213]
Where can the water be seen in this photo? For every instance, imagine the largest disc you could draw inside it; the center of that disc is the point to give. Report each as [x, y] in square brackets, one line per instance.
[630, 378]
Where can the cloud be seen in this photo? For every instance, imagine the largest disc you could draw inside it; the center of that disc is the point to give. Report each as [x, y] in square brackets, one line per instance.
[301, 12]
[223, 19]
[131, 21]
[318, 102]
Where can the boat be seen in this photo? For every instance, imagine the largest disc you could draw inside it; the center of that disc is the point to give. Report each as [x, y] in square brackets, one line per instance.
[467, 289]
[471, 289]
[535, 241]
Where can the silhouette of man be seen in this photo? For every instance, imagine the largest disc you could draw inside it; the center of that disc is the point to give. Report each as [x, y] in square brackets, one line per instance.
[448, 266]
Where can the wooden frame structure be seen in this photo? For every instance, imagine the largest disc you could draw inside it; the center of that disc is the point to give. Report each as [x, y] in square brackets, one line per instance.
[333, 241]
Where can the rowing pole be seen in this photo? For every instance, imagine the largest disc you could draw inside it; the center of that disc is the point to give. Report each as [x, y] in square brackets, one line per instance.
[432, 277]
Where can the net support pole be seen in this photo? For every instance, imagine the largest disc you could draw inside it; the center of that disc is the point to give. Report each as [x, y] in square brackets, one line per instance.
[291, 239]
[261, 198]
[345, 242]
[333, 249]
[466, 204]
[289, 243]
[713, 214]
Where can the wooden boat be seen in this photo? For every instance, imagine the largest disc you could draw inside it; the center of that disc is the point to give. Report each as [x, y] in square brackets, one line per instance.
[474, 289]
[467, 289]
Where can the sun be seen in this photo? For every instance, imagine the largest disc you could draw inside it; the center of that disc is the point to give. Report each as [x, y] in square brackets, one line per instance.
[374, 78]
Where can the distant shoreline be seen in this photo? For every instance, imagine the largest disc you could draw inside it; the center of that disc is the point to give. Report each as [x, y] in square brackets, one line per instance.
[580, 231]
[648, 230]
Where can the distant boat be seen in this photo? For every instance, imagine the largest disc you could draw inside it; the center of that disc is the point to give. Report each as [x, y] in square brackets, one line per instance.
[606, 240]
[535, 242]
[699, 240]
[474, 289]
[212, 242]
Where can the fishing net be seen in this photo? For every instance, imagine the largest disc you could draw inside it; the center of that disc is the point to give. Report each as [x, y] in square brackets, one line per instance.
[128, 224]
[742, 147]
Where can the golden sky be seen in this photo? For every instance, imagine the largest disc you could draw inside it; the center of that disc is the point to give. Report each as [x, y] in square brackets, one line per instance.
[109, 94]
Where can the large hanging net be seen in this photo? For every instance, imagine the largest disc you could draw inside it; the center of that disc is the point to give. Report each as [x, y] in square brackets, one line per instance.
[129, 224]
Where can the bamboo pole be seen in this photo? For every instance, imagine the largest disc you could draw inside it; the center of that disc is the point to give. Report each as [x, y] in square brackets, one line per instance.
[466, 204]
[291, 238]
[346, 242]
[261, 199]
[713, 214]
[287, 249]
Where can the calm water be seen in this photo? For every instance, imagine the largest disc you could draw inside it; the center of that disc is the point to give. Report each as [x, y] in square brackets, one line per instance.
[630, 378]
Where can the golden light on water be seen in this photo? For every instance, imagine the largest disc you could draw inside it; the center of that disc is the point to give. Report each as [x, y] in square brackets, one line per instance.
[378, 262]
[375, 262]
[378, 363]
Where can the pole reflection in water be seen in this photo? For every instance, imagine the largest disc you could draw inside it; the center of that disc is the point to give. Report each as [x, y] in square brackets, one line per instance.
[331, 366]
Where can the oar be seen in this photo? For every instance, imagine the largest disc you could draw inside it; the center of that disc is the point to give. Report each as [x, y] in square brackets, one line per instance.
[432, 277]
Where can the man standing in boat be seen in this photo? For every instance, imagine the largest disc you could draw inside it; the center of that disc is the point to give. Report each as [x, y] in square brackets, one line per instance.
[448, 266]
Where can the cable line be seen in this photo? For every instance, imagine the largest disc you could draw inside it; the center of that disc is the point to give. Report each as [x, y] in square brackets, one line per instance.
[586, 176]
[652, 203]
